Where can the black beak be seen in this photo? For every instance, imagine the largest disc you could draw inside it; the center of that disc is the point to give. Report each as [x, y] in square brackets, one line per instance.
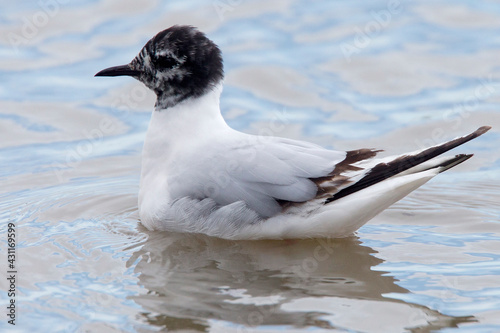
[119, 71]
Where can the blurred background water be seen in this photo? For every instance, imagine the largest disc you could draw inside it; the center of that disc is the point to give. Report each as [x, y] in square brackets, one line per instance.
[397, 75]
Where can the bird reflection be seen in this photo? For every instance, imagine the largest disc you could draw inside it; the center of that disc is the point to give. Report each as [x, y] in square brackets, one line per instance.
[194, 279]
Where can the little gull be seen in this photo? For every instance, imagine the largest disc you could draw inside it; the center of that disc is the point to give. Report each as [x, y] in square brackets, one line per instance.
[201, 176]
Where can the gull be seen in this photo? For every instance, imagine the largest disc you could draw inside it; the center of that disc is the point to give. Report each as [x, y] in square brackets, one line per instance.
[201, 176]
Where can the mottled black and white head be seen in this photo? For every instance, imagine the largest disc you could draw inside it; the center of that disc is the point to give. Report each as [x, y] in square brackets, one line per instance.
[178, 63]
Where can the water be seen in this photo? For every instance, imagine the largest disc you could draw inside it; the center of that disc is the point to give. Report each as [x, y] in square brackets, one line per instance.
[344, 74]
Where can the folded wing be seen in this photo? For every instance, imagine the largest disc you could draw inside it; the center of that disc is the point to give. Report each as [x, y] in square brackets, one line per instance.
[263, 172]
[269, 174]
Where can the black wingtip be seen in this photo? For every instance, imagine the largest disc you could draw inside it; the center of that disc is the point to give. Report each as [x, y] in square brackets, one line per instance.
[383, 171]
[481, 130]
[454, 162]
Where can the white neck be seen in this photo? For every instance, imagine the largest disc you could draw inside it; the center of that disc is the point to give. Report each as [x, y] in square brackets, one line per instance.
[177, 130]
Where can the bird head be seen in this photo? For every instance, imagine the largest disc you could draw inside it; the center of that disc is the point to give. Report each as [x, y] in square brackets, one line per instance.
[178, 63]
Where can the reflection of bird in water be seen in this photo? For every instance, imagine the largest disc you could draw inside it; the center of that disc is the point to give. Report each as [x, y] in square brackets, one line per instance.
[199, 175]
[194, 281]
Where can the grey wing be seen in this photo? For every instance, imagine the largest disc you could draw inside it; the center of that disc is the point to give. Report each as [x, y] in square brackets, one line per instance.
[263, 172]
[266, 173]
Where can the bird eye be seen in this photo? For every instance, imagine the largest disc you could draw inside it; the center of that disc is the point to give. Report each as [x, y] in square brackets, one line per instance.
[166, 62]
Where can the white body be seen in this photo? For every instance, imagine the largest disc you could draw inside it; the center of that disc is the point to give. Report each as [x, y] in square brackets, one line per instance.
[199, 175]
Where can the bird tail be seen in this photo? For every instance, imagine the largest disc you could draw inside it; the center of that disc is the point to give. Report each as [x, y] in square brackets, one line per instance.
[411, 163]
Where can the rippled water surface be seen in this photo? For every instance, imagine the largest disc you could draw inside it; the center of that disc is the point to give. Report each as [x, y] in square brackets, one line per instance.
[398, 75]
